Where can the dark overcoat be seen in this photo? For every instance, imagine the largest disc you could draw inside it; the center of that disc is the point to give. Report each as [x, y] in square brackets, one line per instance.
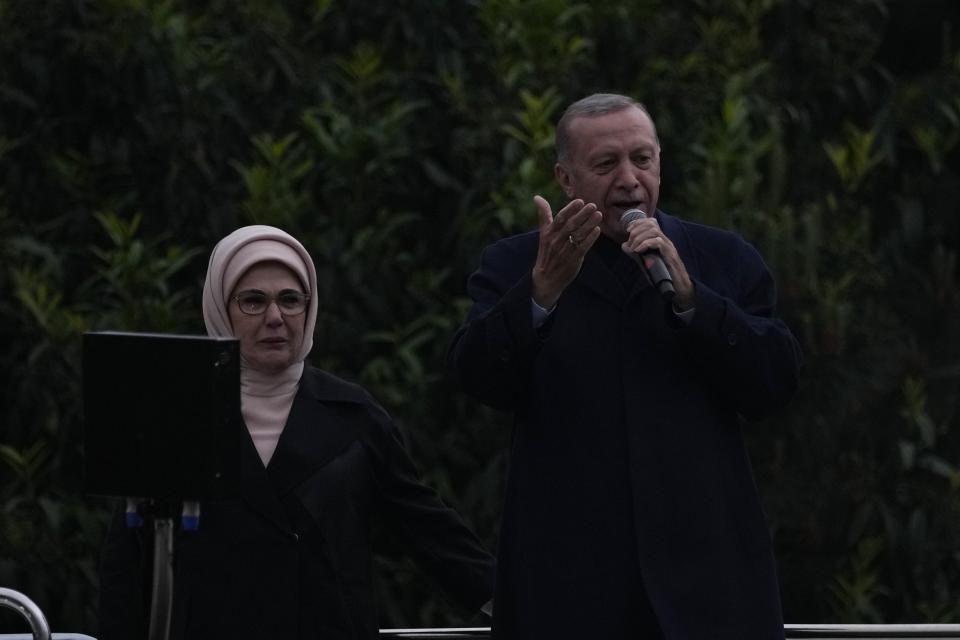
[628, 473]
[291, 558]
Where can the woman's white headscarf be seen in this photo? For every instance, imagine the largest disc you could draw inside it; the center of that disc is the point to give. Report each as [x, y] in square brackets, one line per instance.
[265, 398]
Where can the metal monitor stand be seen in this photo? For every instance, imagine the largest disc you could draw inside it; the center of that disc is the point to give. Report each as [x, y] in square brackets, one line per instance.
[161, 601]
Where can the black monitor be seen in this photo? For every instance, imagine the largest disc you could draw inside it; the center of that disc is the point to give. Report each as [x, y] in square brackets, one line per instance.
[161, 415]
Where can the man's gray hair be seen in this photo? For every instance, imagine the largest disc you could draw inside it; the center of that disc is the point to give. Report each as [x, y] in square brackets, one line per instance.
[598, 104]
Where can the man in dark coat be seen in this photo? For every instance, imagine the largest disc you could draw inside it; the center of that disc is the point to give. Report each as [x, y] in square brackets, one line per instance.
[631, 510]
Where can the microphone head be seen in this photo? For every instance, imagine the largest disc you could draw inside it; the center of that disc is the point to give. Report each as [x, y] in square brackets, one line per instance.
[630, 215]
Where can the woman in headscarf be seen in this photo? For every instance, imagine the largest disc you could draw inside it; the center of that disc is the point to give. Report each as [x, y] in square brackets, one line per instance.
[323, 462]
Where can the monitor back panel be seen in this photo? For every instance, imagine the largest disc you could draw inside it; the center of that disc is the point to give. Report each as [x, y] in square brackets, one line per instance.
[161, 415]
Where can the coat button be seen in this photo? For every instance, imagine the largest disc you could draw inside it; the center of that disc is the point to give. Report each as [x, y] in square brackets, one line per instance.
[295, 536]
[504, 355]
[731, 339]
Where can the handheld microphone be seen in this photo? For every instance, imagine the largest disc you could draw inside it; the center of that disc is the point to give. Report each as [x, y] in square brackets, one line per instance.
[650, 260]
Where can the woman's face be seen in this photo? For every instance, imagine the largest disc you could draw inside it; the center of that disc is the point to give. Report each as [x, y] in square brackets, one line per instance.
[270, 341]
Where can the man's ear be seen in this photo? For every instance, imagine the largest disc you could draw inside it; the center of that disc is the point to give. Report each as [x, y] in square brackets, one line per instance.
[563, 179]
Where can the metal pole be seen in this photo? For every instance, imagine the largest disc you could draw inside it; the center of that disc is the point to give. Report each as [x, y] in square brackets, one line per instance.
[19, 602]
[162, 598]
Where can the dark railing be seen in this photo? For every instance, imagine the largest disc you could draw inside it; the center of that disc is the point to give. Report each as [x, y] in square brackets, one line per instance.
[820, 631]
[917, 631]
[41, 631]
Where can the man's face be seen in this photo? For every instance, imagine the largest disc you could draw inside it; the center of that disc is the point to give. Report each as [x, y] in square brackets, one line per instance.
[614, 162]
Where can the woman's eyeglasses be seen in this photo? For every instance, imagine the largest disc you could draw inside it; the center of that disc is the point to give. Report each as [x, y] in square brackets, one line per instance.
[289, 302]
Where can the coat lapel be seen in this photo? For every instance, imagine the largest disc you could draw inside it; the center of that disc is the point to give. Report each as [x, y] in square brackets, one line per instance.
[313, 435]
[673, 229]
[596, 276]
[255, 485]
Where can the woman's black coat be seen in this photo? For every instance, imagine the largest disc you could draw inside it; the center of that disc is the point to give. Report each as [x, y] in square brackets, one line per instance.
[292, 557]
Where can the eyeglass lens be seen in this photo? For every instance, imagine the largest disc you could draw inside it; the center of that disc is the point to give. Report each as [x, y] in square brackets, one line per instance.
[289, 302]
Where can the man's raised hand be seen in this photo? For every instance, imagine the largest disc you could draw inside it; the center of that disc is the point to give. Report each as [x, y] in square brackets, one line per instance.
[564, 241]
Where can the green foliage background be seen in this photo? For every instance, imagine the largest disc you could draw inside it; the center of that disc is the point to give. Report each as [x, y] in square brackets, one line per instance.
[398, 138]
